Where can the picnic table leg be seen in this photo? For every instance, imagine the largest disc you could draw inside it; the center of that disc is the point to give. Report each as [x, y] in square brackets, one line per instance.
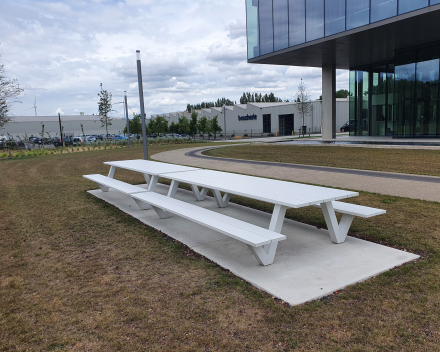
[112, 171]
[200, 195]
[222, 202]
[265, 255]
[173, 189]
[153, 183]
[104, 188]
[147, 178]
[276, 223]
[338, 232]
[142, 205]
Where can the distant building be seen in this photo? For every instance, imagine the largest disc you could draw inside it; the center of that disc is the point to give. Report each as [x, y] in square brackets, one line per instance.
[32, 125]
[267, 118]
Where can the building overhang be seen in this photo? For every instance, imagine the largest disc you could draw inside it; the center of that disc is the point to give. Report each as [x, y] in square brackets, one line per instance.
[363, 46]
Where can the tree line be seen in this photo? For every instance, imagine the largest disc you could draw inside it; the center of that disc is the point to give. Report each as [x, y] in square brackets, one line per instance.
[191, 126]
[259, 98]
[207, 105]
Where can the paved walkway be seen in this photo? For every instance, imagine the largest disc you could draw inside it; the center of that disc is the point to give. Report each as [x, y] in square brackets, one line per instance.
[395, 184]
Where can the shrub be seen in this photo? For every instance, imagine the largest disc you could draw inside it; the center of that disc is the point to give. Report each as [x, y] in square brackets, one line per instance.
[245, 135]
[4, 155]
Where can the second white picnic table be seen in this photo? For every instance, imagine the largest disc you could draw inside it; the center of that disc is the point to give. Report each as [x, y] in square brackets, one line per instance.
[282, 194]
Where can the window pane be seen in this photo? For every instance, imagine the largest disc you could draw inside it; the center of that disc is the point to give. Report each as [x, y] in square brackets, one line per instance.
[252, 28]
[378, 100]
[334, 16]
[314, 19]
[427, 75]
[390, 100]
[266, 26]
[434, 2]
[353, 123]
[382, 9]
[297, 22]
[411, 5]
[358, 13]
[281, 25]
[405, 73]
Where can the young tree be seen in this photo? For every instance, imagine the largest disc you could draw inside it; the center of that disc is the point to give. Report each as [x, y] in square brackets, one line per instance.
[135, 125]
[184, 126]
[161, 124]
[203, 125]
[105, 108]
[173, 127]
[215, 128]
[303, 105]
[9, 89]
[193, 124]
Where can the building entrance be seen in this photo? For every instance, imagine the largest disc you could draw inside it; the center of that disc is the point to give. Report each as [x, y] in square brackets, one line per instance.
[286, 125]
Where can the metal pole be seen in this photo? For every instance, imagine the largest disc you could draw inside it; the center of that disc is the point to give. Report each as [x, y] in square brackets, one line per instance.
[128, 121]
[224, 117]
[141, 100]
[61, 130]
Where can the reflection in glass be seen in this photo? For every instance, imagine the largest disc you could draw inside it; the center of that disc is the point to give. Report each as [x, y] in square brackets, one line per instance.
[314, 19]
[266, 26]
[297, 22]
[352, 95]
[427, 76]
[252, 28]
[358, 13]
[390, 101]
[411, 5]
[382, 9]
[405, 73]
[280, 24]
[334, 16]
[379, 101]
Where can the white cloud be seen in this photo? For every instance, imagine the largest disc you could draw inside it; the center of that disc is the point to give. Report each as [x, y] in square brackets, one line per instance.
[190, 54]
[58, 111]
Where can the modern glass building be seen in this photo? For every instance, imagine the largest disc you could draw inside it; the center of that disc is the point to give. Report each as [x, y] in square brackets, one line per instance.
[391, 47]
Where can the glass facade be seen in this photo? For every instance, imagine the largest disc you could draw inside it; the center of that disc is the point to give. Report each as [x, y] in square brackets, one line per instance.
[399, 99]
[274, 25]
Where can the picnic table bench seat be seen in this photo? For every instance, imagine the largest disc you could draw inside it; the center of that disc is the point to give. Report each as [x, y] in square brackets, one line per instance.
[354, 209]
[262, 243]
[105, 183]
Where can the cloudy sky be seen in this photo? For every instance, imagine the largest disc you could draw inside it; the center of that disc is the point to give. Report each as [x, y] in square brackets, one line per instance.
[192, 51]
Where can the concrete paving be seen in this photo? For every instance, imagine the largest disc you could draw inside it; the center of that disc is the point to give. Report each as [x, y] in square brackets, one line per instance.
[394, 184]
[307, 265]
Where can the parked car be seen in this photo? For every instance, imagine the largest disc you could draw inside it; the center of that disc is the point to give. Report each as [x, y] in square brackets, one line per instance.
[58, 142]
[90, 139]
[76, 141]
[345, 127]
[35, 140]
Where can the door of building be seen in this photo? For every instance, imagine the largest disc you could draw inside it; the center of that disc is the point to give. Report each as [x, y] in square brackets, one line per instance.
[286, 125]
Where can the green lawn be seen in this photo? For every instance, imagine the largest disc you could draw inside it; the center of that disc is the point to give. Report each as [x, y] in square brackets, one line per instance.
[78, 274]
[411, 161]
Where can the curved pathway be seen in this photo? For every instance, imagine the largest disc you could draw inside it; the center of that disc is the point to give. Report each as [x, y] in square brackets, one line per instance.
[395, 184]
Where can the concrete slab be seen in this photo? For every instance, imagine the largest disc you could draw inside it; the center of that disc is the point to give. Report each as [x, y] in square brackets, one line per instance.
[307, 265]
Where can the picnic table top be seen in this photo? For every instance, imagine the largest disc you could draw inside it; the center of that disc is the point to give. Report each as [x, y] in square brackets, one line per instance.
[290, 194]
[149, 167]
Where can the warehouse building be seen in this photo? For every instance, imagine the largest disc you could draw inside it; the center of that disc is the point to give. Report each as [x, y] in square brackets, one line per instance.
[33, 126]
[267, 118]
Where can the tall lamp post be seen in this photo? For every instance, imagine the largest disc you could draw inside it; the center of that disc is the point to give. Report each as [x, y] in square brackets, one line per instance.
[126, 117]
[141, 100]
[224, 117]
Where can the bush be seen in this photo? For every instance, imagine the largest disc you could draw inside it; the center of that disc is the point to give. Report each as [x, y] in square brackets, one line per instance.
[220, 135]
[4, 155]
[245, 135]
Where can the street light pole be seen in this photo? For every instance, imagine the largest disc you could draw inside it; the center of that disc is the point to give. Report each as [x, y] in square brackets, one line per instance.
[141, 100]
[224, 117]
[61, 130]
[128, 121]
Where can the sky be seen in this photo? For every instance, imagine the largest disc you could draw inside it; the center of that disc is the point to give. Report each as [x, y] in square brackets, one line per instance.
[191, 51]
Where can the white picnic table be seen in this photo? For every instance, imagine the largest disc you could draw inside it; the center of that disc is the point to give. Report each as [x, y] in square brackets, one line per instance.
[282, 194]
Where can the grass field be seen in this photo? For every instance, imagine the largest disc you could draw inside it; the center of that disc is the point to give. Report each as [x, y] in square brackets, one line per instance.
[77, 274]
[411, 161]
